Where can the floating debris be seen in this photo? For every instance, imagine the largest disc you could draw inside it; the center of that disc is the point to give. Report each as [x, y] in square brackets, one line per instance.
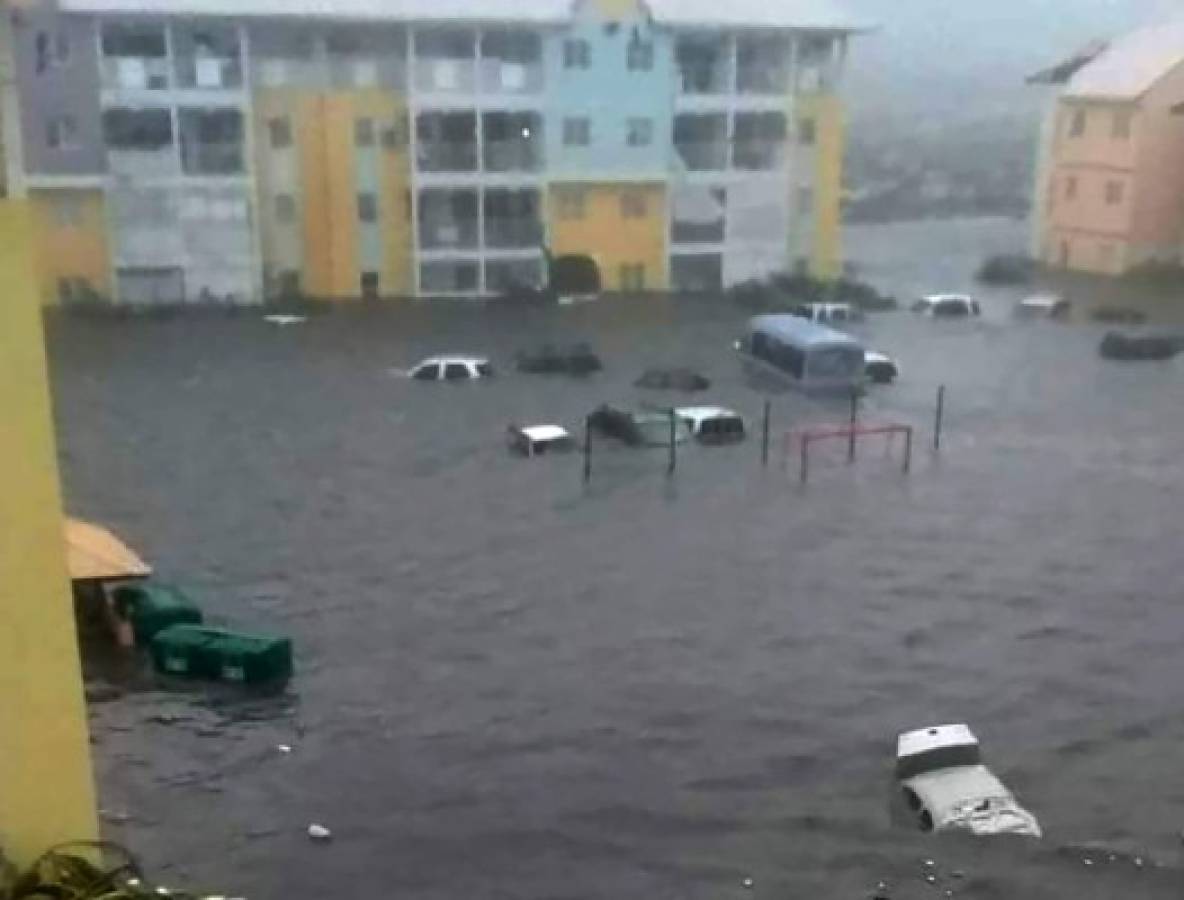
[285, 321]
[283, 748]
[319, 832]
[748, 883]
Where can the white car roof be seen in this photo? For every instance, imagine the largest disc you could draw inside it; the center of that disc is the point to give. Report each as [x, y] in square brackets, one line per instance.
[944, 298]
[1042, 301]
[699, 413]
[460, 358]
[945, 789]
[539, 434]
[874, 356]
[923, 740]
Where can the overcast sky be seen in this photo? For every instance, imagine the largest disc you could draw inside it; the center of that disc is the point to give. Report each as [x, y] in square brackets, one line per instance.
[941, 52]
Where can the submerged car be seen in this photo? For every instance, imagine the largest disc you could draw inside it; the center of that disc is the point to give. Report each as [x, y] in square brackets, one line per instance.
[880, 367]
[946, 787]
[577, 359]
[638, 429]
[1043, 306]
[826, 313]
[712, 424]
[947, 306]
[452, 368]
[535, 440]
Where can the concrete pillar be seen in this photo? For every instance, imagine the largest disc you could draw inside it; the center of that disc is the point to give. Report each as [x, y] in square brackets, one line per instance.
[46, 786]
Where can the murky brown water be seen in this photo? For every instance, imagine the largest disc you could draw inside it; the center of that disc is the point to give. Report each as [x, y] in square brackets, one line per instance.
[510, 686]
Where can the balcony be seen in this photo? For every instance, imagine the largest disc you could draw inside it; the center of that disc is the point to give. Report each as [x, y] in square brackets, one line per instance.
[208, 57]
[445, 61]
[209, 74]
[223, 158]
[759, 156]
[762, 65]
[511, 63]
[135, 73]
[446, 156]
[448, 219]
[762, 80]
[509, 234]
[140, 142]
[513, 156]
[212, 141]
[703, 156]
[704, 66]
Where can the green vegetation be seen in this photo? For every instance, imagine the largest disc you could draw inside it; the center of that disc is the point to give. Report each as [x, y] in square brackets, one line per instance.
[83, 871]
[786, 290]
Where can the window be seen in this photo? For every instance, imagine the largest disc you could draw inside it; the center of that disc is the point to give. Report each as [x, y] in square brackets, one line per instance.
[61, 132]
[639, 132]
[1114, 192]
[367, 208]
[1077, 123]
[577, 54]
[137, 129]
[639, 57]
[1071, 187]
[456, 372]
[633, 205]
[289, 283]
[364, 132]
[577, 132]
[807, 132]
[369, 282]
[571, 203]
[429, 372]
[632, 277]
[805, 200]
[280, 132]
[1121, 128]
[394, 136]
[285, 208]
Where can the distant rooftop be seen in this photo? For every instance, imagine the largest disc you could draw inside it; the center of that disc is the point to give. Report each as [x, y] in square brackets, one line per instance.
[805, 14]
[1121, 70]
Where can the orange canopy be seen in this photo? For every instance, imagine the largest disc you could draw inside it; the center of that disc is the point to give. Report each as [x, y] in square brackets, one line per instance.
[93, 552]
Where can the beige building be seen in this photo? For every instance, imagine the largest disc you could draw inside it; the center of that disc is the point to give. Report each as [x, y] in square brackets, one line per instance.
[1109, 193]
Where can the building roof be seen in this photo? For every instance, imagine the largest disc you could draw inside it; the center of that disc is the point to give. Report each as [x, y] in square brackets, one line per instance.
[1130, 66]
[805, 14]
[823, 15]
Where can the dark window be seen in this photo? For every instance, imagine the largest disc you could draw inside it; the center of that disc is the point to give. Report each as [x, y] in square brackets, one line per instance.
[577, 132]
[369, 282]
[639, 132]
[1114, 192]
[633, 205]
[394, 136]
[456, 372]
[936, 759]
[577, 54]
[285, 208]
[485, 370]
[41, 47]
[1077, 125]
[61, 48]
[61, 132]
[289, 283]
[65, 290]
[279, 131]
[639, 57]
[367, 208]
[134, 41]
[430, 372]
[364, 132]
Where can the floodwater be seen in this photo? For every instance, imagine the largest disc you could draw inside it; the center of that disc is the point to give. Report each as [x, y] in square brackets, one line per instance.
[510, 685]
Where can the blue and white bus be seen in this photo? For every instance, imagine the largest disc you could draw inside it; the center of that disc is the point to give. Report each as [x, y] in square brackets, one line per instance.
[809, 356]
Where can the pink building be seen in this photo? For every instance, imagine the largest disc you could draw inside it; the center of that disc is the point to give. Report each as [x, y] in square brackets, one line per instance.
[1110, 180]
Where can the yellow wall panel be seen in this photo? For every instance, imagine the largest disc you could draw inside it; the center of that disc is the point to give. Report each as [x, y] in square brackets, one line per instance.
[315, 198]
[610, 238]
[617, 9]
[46, 785]
[340, 109]
[826, 110]
[70, 235]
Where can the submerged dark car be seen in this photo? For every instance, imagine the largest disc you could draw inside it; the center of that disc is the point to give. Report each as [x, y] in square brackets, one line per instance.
[575, 359]
[638, 429]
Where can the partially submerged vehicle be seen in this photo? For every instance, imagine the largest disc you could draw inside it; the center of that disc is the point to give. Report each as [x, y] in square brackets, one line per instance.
[1148, 347]
[806, 355]
[637, 428]
[549, 359]
[712, 424]
[452, 368]
[880, 367]
[535, 440]
[827, 313]
[1043, 306]
[678, 379]
[946, 787]
[1117, 315]
[947, 306]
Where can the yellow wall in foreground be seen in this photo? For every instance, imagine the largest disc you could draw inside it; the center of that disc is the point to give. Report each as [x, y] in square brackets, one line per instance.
[826, 259]
[46, 787]
[72, 246]
[612, 240]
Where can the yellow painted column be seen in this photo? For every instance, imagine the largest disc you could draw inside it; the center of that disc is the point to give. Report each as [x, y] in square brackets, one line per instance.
[46, 783]
[826, 261]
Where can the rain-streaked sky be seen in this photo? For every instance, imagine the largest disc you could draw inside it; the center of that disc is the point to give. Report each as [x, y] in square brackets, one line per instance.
[953, 51]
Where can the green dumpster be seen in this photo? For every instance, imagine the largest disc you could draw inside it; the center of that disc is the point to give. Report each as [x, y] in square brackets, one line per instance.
[153, 607]
[222, 655]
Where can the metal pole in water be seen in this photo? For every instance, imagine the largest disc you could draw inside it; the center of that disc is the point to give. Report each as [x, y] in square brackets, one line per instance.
[851, 433]
[587, 449]
[673, 453]
[939, 417]
[765, 434]
[908, 449]
[805, 457]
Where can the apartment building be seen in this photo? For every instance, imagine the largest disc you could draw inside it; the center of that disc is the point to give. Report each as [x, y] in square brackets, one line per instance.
[241, 150]
[1109, 192]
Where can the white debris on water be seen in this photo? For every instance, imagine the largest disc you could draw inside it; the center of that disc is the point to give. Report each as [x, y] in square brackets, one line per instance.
[284, 748]
[748, 882]
[319, 832]
[285, 321]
